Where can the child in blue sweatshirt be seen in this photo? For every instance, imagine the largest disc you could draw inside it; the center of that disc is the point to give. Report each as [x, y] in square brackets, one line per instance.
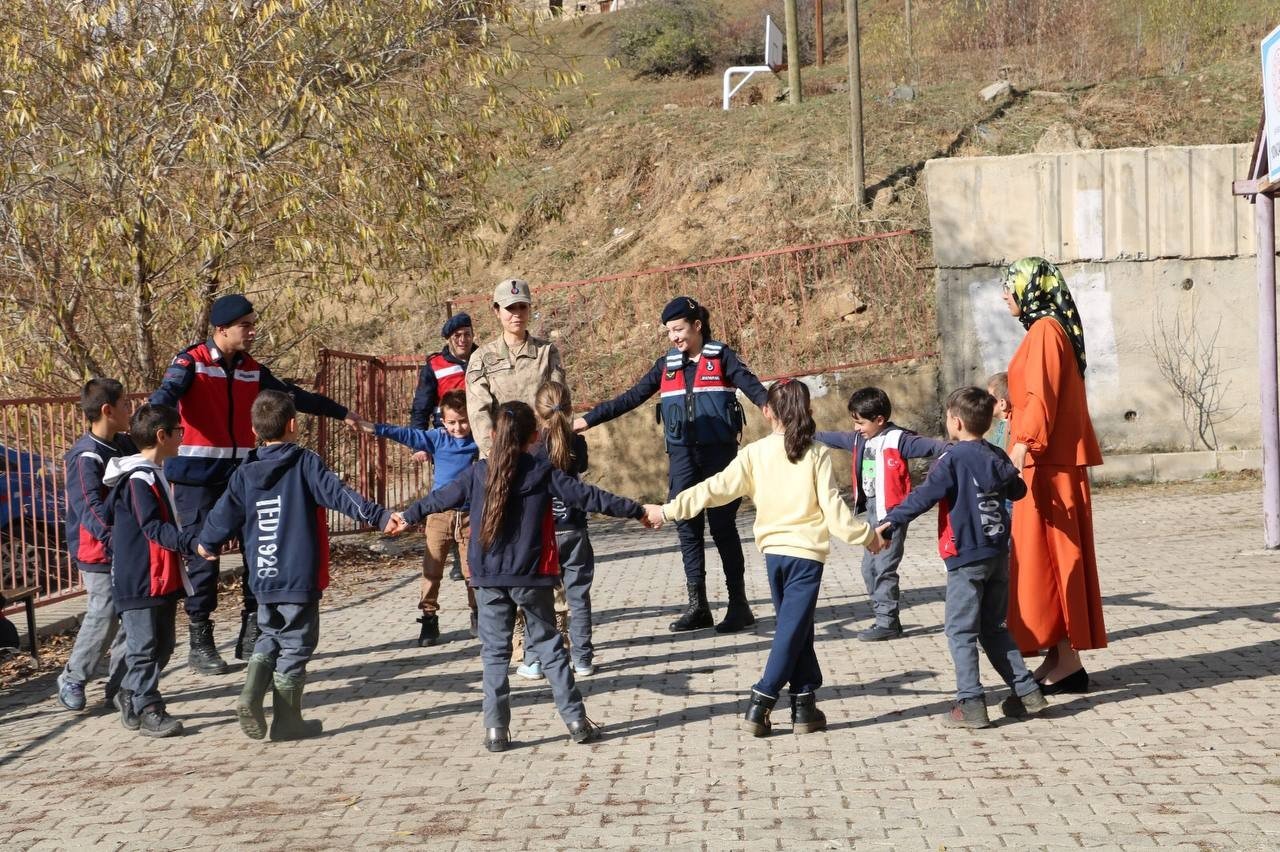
[148, 572]
[514, 561]
[275, 504]
[452, 450]
[970, 483]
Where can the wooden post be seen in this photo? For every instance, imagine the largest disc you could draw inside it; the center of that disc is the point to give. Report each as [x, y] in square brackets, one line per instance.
[855, 102]
[793, 52]
[911, 57]
[817, 32]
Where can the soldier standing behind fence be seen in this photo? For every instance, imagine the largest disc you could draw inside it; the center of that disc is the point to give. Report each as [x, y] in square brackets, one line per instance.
[697, 380]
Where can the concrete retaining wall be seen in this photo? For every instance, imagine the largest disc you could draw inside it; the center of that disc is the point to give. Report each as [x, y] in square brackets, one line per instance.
[1151, 241]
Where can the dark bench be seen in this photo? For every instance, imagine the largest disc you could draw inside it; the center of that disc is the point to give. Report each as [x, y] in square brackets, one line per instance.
[26, 594]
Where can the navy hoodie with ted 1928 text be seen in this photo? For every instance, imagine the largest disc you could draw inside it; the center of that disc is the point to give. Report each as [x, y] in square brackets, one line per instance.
[275, 502]
[148, 544]
[970, 483]
[525, 552]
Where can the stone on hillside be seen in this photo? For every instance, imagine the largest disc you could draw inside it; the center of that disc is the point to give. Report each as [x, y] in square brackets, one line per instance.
[1054, 97]
[1061, 137]
[670, 107]
[903, 94]
[996, 91]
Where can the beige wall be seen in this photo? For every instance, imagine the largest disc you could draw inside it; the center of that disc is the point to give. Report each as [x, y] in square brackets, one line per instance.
[1141, 235]
[628, 455]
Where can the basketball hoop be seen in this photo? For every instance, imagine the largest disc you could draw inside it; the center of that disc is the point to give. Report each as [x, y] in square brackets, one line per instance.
[773, 61]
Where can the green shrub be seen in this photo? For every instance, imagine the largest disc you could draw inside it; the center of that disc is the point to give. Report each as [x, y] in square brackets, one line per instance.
[665, 37]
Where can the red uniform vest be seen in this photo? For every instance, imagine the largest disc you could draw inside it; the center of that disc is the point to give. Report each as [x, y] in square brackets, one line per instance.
[705, 412]
[215, 409]
[449, 376]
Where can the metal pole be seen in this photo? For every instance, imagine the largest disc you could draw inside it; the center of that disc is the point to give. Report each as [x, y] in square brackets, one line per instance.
[1270, 406]
[793, 52]
[817, 32]
[911, 57]
[855, 100]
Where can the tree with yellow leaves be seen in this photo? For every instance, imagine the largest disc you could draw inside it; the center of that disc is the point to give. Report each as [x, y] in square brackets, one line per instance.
[159, 152]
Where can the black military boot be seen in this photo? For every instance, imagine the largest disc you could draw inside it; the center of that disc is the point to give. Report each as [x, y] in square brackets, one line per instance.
[697, 615]
[286, 710]
[204, 656]
[249, 633]
[806, 718]
[738, 616]
[430, 633]
[757, 722]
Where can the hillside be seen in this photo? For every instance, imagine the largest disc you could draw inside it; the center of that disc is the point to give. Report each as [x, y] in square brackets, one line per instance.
[654, 173]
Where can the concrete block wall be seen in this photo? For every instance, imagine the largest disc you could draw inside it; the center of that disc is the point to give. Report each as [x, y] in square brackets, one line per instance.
[1145, 237]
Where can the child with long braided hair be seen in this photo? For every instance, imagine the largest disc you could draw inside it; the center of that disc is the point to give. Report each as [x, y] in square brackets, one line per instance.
[514, 562]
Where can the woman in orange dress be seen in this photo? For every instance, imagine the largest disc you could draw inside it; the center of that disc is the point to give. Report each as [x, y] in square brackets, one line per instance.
[1054, 602]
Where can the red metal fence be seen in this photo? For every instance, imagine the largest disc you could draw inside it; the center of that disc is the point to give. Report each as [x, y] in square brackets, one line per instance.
[35, 434]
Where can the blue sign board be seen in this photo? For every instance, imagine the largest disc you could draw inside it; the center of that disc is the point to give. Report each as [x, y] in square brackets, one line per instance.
[1271, 102]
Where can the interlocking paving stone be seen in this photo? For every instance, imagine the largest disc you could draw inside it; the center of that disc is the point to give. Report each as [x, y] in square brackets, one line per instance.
[1175, 748]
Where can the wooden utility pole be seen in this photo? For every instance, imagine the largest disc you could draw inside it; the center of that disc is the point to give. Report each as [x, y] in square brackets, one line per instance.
[855, 101]
[911, 56]
[793, 51]
[817, 33]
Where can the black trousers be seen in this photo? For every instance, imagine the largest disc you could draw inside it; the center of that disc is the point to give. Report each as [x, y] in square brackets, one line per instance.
[194, 502]
[687, 467]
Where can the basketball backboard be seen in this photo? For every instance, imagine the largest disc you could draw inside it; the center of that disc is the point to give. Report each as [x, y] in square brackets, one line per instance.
[773, 55]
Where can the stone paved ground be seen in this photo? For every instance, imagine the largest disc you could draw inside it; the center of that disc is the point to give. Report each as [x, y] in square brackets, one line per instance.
[1177, 747]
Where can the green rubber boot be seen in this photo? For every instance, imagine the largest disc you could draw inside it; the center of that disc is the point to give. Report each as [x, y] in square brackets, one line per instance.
[257, 684]
[286, 710]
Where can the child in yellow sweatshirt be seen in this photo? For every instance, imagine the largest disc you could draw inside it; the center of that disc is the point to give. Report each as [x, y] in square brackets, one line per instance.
[798, 508]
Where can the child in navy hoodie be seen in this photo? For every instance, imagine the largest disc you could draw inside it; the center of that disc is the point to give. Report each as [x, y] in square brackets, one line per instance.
[970, 483]
[148, 568]
[881, 481]
[275, 503]
[514, 561]
[88, 532]
[452, 451]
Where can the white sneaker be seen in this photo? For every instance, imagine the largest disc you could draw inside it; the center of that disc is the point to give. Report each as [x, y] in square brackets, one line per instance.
[583, 669]
[530, 671]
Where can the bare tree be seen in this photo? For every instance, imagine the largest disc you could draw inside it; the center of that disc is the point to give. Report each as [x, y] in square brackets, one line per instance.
[1190, 363]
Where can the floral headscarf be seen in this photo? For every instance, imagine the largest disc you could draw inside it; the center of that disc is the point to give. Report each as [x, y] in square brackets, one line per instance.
[1040, 291]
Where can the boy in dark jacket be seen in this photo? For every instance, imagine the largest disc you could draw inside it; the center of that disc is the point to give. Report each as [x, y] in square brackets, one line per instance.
[970, 482]
[275, 503]
[148, 575]
[88, 532]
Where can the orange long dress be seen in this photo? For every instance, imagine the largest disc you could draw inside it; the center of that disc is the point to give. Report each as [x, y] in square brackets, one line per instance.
[1053, 572]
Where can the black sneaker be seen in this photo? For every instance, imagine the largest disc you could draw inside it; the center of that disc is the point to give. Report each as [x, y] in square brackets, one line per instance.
[157, 723]
[455, 573]
[496, 739]
[124, 703]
